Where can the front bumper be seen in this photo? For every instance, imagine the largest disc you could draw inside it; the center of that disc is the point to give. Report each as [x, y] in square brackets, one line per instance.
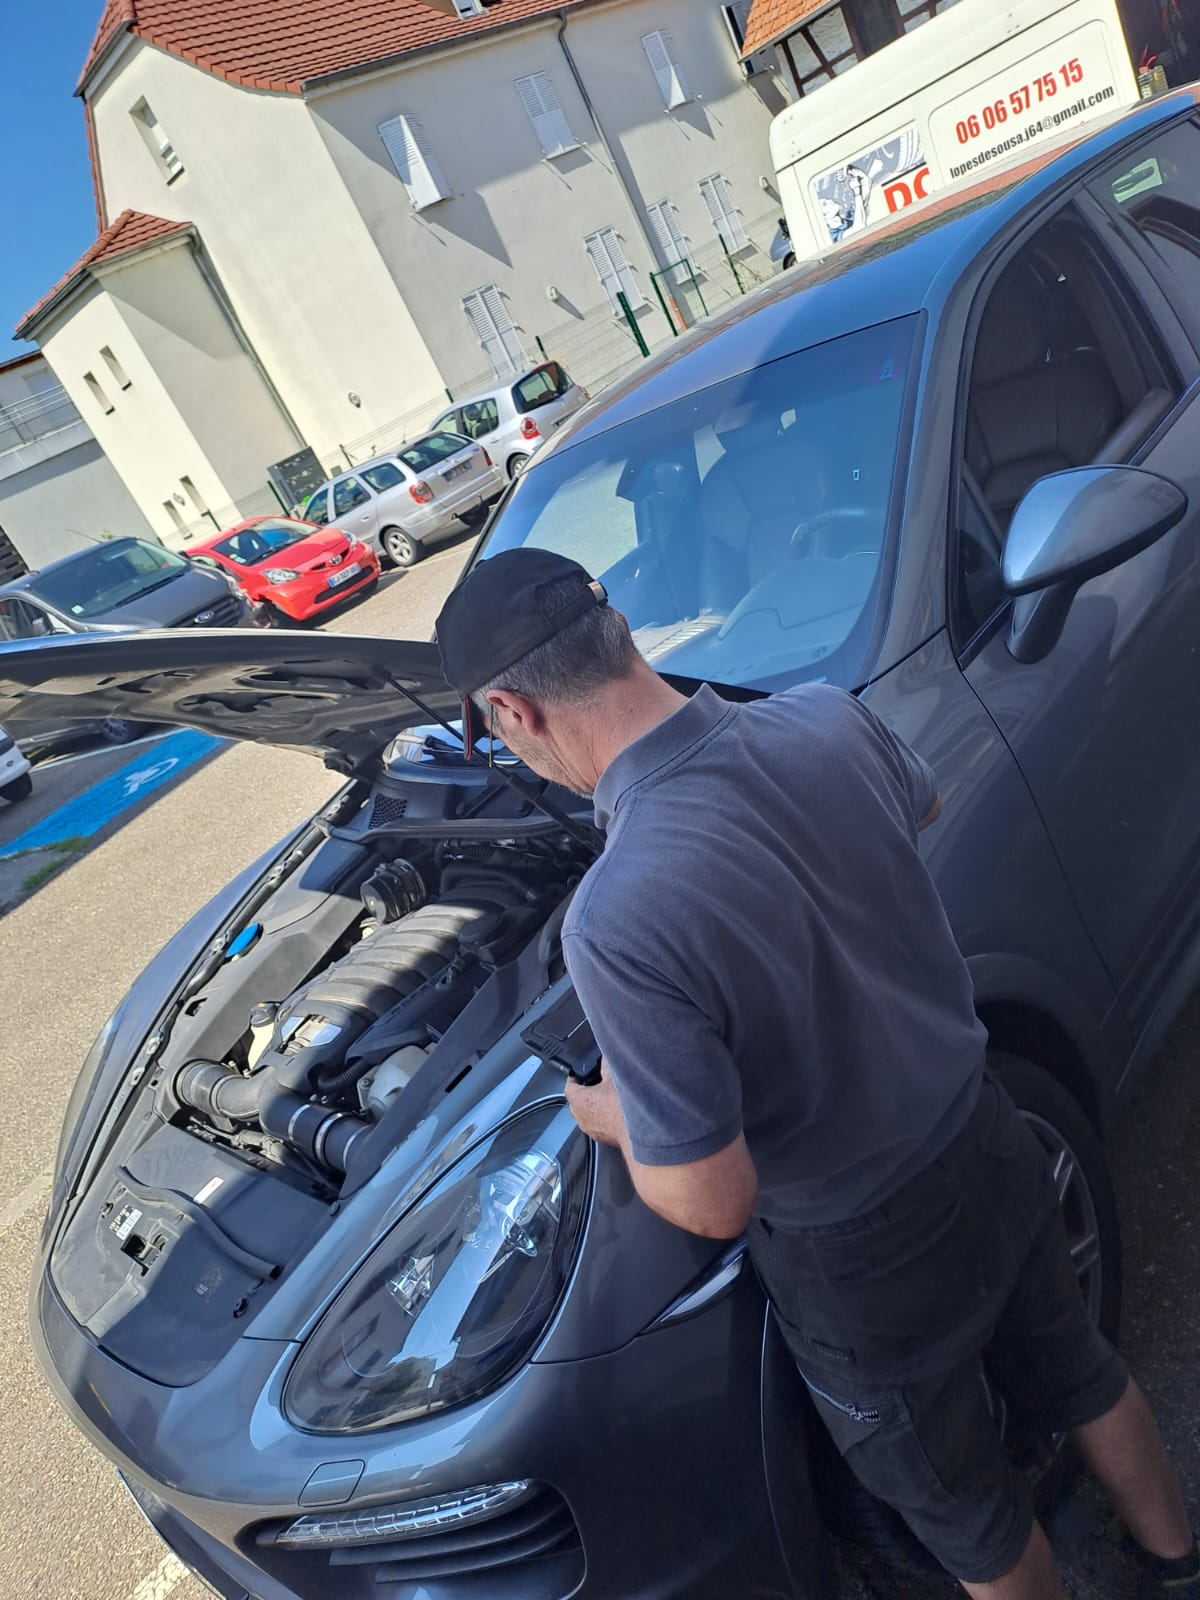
[659, 1464]
[312, 595]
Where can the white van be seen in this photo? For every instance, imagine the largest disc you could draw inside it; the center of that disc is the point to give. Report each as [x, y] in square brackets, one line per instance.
[971, 88]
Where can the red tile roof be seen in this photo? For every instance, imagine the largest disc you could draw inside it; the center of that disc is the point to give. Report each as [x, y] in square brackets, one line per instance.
[768, 22]
[133, 230]
[282, 44]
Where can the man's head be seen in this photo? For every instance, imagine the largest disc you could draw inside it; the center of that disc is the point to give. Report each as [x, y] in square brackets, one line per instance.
[530, 642]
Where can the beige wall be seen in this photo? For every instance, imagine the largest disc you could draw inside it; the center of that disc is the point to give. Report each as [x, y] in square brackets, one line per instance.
[194, 408]
[309, 287]
[66, 503]
[518, 219]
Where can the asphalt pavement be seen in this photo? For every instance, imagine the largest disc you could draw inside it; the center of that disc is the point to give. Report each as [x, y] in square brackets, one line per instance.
[70, 948]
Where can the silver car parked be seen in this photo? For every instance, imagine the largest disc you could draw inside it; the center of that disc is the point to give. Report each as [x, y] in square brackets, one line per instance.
[513, 418]
[414, 498]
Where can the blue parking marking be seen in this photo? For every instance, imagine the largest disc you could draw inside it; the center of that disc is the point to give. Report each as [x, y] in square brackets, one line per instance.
[96, 807]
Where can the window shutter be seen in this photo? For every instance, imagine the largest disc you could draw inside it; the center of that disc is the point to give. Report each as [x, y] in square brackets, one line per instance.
[660, 52]
[608, 258]
[672, 245]
[492, 325]
[724, 214]
[406, 144]
[541, 102]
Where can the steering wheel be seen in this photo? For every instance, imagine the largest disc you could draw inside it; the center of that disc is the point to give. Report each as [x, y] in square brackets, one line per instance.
[808, 533]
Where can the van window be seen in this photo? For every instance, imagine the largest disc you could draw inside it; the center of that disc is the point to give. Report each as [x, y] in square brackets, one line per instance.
[541, 387]
[1157, 192]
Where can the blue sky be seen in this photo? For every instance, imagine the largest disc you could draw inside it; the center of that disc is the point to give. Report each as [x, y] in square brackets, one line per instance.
[45, 180]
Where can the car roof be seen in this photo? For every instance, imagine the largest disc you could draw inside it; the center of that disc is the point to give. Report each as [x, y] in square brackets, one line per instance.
[894, 269]
[503, 385]
[29, 579]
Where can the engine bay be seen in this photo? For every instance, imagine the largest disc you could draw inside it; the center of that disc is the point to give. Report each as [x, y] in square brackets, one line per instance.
[369, 981]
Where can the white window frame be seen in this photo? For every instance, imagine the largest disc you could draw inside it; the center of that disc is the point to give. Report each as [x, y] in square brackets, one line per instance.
[726, 218]
[152, 131]
[671, 240]
[544, 110]
[416, 166]
[485, 310]
[664, 63]
[611, 265]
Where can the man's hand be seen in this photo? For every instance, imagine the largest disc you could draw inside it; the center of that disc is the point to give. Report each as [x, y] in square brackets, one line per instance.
[597, 1110]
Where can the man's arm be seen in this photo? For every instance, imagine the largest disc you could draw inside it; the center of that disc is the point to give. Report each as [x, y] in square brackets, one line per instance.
[713, 1197]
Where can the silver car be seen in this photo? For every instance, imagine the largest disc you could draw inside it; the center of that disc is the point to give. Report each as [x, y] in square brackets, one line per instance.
[417, 497]
[513, 418]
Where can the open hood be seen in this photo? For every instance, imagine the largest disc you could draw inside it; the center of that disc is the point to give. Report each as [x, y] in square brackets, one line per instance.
[341, 696]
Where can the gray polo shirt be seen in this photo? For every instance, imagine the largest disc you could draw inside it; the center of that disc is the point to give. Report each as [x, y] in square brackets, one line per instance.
[761, 949]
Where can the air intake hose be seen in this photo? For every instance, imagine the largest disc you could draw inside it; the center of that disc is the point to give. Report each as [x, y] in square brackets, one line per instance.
[324, 1136]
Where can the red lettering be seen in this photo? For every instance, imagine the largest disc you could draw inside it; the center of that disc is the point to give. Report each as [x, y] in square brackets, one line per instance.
[898, 196]
[921, 183]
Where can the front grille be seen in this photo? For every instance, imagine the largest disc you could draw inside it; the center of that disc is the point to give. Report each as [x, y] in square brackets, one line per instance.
[225, 612]
[387, 808]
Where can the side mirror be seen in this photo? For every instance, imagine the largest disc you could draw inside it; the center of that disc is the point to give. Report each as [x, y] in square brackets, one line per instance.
[1073, 526]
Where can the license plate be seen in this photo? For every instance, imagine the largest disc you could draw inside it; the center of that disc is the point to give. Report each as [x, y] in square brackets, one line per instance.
[458, 471]
[344, 576]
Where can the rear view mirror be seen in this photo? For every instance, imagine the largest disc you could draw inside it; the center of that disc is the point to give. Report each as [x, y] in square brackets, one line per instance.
[1073, 526]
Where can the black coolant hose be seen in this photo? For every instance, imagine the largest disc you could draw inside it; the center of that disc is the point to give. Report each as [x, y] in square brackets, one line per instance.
[323, 1135]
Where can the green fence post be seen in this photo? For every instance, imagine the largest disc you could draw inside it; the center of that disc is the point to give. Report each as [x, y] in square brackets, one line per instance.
[285, 509]
[541, 347]
[632, 321]
[654, 277]
[732, 264]
[346, 457]
[449, 394]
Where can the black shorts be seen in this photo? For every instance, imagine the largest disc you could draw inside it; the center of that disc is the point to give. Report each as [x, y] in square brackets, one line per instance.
[906, 1323]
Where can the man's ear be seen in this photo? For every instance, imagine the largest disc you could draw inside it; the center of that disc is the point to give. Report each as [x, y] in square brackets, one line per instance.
[526, 713]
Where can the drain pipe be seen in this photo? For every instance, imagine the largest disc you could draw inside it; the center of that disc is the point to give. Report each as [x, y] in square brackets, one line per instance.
[616, 162]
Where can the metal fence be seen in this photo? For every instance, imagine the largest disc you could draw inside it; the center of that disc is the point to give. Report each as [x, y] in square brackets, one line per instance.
[23, 421]
[713, 275]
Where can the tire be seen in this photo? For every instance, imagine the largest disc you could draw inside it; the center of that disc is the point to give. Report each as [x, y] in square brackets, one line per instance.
[788, 261]
[401, 548]
[866, 1523]
[19, 789]
[273, 617]
[117, 730]
[516, 465]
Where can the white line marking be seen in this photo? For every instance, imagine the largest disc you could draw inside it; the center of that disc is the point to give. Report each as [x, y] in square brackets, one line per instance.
[102, 750]
[21, 1204]
[158, 1584]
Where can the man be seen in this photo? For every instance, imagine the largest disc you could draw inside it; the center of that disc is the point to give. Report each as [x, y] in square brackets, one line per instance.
[791, 1050]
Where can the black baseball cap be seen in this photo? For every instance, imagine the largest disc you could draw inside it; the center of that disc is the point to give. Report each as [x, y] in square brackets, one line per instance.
[500, 612]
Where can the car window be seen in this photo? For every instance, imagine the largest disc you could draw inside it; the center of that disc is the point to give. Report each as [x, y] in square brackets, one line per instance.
[540, 387]
[479, 419]
[448, 422]
[348, 493]
[429, 452]
[14, 623]
[248, 546]
[317, 509]
[1066, 371]
[107, 577]
[742, 529]
[208, 562]
[384, 475]
[1156, 192]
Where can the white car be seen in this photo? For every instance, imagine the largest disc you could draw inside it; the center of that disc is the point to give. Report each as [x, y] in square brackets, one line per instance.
[515, 417]
[15, 781]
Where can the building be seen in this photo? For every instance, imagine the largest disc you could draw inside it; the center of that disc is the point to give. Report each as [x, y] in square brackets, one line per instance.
[318, 217]
[58, 492]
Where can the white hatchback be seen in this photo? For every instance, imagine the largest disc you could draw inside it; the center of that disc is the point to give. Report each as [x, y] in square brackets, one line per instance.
[15, 780]
[515, 417]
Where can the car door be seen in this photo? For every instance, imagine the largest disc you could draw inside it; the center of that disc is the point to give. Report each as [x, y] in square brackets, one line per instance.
[355, 510]
[1070, 365]
[317, 509]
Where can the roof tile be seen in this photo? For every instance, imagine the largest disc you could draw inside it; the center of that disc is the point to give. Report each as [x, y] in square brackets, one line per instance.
[770, 20]
[132, 230]
[289, 42]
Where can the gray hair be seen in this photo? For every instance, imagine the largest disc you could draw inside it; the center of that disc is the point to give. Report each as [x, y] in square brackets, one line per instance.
[589, 654]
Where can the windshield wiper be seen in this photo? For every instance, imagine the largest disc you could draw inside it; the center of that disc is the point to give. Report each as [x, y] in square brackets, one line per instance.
[130, 598]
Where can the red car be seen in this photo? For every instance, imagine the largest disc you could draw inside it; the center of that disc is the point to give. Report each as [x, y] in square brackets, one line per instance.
[291, 571]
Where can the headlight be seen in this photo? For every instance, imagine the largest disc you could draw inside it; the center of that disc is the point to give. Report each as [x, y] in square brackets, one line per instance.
[280, 575]
[458, 1293]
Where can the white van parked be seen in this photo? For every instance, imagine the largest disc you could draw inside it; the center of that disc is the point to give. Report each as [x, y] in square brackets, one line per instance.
[973, 87]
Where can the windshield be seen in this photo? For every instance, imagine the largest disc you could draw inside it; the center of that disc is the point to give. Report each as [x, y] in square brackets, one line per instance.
[249, 546]
[110, 576]
[427, 453]
[741, 529]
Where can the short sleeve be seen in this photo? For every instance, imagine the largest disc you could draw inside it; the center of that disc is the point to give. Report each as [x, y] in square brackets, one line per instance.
[679, 1088]
[915, 774]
